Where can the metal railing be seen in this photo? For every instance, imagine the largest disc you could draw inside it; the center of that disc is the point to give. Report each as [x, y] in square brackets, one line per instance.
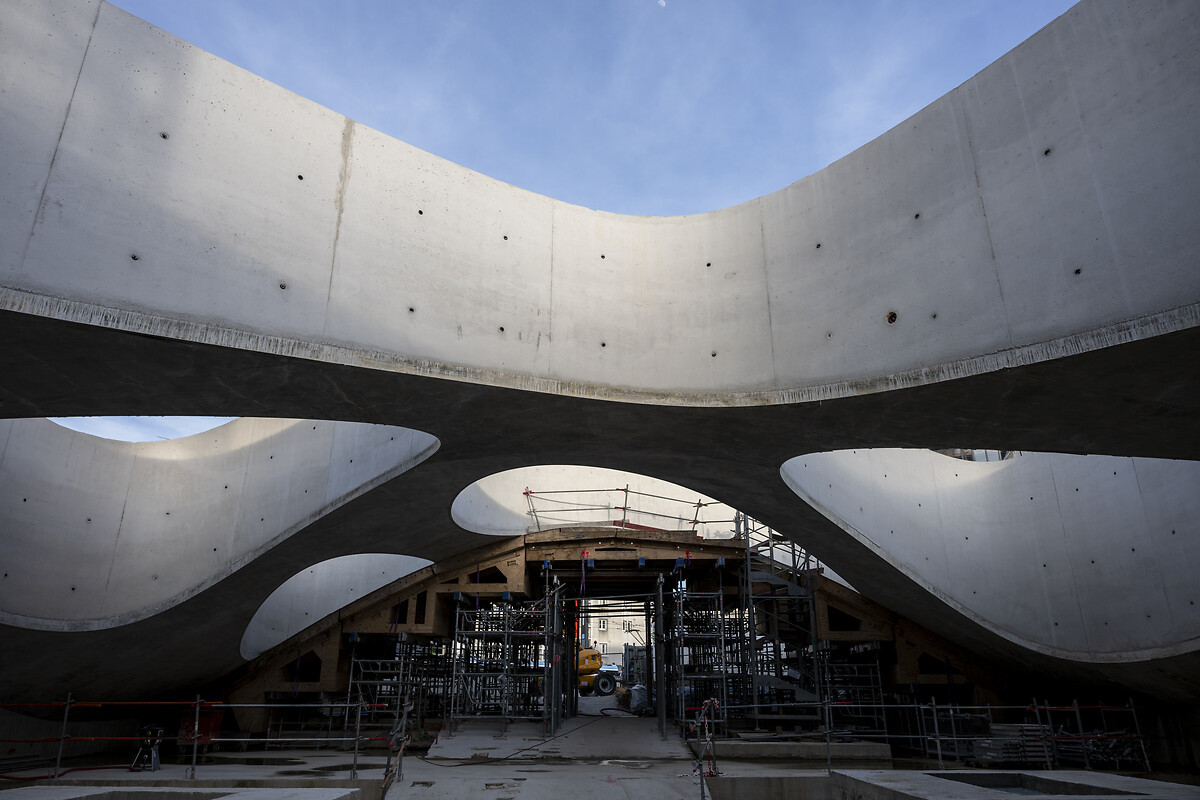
[621, 507]
[1040, 733]
[204, 731]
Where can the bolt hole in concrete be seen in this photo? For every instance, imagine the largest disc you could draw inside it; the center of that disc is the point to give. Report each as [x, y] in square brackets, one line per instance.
[891, 318]
[1046, 152]
[134, 256]
[299, 177]
[1078, 271]
[164, 135]
[1020, 783]
[283, 286]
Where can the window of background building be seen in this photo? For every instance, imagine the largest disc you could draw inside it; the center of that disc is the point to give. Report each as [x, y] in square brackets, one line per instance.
[604, 648]
[601, 624]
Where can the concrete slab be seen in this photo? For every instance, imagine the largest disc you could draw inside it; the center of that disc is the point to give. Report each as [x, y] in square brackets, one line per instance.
[591, 738]
[69, 791]
[950, 785]
[518, 780]
[277, 770]
[802, 751]
[528, 775]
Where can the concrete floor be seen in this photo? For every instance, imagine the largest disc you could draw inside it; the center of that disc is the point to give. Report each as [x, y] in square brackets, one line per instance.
[609, 755]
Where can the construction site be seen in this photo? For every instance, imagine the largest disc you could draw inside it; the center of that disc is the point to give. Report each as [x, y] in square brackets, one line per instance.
[880, 486]
[733, 651]
[743, 627]
[739, 645]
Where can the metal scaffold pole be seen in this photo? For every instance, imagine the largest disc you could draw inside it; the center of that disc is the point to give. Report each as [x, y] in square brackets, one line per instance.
[660, 678]
[62, 736]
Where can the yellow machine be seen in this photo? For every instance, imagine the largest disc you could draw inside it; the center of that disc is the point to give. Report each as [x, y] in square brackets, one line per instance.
[591, 679]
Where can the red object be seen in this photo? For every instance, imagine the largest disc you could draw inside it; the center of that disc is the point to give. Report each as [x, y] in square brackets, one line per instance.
[210, 725]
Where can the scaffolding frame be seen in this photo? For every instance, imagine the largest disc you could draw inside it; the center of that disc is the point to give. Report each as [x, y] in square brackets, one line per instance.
[416, 678]
[502, 656]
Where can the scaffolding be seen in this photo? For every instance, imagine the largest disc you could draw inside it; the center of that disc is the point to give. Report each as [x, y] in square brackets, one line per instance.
[706, 662]
[855, 694]
[417, 677]
[777, 593]
[500, 663]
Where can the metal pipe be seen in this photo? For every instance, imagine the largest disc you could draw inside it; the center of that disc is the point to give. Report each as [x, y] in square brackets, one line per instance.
[812, 625]
[195, 740]
[648, 646]
[1037, 714]
[828, 738]
[357, 732]
[62, 737]
[742, 529]
[1083, 742]
[557, 671]
[937, 733]
[950, 711]
[1138, 729]
[350, 685]
[660, 677]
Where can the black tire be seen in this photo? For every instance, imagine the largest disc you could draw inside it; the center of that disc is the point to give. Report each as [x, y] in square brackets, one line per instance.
[604, 684]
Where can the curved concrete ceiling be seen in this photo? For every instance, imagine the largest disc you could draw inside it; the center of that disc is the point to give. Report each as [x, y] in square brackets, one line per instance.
[1039, 210]
[551, 496]
[1089, 558]
[319, 590]
[1011, 267]
[99, 533]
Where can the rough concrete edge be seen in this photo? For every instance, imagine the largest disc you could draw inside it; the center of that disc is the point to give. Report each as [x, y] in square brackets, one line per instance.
[840, 752]
[364, 788]
[50, 307]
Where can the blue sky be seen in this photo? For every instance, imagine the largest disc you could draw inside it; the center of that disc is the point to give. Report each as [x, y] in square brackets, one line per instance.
[654, 107]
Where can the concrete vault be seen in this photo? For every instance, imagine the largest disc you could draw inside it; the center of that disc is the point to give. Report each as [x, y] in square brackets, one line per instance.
[1017, 266]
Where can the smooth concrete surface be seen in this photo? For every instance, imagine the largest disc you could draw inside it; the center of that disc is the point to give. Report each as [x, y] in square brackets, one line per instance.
[620, 736]
[592, 756]
[101, 533]
[563, 495]
[1091, 558]
[1033, 232]
[318, 591]
[1076, 783]
[1040, 210]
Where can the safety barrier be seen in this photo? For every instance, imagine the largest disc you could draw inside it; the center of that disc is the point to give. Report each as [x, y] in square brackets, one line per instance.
[203, 733]
[1039, 733]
